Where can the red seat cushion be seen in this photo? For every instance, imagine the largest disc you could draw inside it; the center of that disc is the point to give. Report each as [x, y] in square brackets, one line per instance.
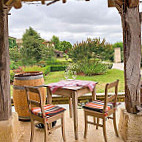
[98, 106]
[50, 110]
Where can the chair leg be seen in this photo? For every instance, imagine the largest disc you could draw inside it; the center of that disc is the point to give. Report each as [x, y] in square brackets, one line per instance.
[97, 123]
[104, 129]
[114, 123]
[94, 118]
[70, 106]
[63, 127]
[45, 132]
[32, 130]
[86, 126]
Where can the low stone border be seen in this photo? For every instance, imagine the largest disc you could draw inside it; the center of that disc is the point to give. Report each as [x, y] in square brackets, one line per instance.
[56, 99]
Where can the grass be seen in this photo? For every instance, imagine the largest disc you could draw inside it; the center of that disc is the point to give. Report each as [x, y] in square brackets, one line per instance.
[110, 76]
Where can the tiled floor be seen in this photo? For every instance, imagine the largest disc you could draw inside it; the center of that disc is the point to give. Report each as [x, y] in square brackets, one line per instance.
[92, 136]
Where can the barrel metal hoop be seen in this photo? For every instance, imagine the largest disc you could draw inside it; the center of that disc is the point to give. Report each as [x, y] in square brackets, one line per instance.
[18, 87]
[22, 87]
[29, 77]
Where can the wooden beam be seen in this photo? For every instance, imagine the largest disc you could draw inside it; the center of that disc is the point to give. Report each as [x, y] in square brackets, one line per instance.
[64, 1]
[132, 55]
[52, 2]
[5, 101]
[43, 1]
[17, 4]
[141, 16]
[133, 3]
[111, 3]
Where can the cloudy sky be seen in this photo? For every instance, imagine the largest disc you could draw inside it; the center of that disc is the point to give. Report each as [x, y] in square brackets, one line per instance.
[73, 21]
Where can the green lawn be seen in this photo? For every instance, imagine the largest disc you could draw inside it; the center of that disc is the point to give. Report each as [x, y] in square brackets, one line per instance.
[110, 76]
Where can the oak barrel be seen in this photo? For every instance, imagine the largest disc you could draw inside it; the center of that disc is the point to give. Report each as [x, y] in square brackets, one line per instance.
[19, 93]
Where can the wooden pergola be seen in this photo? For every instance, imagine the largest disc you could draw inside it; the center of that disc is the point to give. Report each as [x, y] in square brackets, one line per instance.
[131, 24]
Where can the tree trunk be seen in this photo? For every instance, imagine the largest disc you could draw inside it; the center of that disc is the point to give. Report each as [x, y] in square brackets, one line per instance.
[5, 99]
[132, 55]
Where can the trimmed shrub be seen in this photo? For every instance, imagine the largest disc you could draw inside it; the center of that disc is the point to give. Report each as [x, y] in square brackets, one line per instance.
[46, 70]
[57, 62]
[57, 68]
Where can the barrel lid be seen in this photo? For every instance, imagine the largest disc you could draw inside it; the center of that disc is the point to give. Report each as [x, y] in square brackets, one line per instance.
[31, 73]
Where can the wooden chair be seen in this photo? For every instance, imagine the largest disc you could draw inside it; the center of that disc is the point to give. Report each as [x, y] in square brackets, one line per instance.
[44, 114]
[102, 110]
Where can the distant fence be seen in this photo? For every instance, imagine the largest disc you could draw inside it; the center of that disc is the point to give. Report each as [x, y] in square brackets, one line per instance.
[57, 99]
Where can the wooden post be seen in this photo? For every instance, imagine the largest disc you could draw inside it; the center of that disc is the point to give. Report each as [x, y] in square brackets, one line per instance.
[132, 52]
[5, 99]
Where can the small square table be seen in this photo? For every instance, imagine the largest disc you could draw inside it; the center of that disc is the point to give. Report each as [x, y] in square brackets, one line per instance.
[74, 91]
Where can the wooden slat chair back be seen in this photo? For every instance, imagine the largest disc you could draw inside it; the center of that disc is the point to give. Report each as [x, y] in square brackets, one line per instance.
[108, 107]
[111, 98]
[42, 118]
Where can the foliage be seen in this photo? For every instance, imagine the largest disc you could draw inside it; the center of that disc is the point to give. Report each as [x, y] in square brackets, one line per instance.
[35, 68]
[109, 65]
[89, 68]
[32, 47]
[55, 40]
[12, 42]
[119, 44]
[46, 70]
[11, 75]
[92, 48]
[58, 68]
[13, 65]
[56, 62]
[15, 54]
[65, 46]
[88, 54]
[48, 53]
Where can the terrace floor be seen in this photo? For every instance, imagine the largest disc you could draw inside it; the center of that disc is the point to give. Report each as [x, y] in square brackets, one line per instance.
[93, 135]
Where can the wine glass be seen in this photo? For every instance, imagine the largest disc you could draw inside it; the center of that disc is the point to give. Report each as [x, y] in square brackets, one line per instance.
[74, 75]
[66, 75]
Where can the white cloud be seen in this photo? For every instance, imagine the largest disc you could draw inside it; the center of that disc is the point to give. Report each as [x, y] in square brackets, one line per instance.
[73, 21]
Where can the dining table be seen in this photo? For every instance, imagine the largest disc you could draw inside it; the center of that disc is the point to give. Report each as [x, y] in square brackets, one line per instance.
[72, 89]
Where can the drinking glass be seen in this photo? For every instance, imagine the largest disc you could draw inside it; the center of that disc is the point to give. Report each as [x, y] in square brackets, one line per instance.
[74, 75]
[66, 75]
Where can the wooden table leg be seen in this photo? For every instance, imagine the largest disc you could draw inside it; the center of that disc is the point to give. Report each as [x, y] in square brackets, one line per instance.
[94, 98]
[49, 101]
[75, 114]
[94, 94]
[49, 96]
[70, 106]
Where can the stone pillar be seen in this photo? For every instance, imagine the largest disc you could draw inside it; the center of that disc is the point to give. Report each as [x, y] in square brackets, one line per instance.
[117, 55]
[11, 130]
[129, 127]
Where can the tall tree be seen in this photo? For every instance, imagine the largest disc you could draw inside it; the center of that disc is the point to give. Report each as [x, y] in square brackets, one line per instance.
[32, 47]
[55, 40]
[65, 46]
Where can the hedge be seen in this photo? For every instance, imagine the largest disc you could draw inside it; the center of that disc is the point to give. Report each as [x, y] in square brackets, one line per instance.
[57, 68]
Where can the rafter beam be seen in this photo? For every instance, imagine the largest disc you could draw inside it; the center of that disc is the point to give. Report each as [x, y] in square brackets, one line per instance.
[131, 3]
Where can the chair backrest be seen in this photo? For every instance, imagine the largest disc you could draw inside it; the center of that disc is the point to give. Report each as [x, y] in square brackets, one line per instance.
[112, 98]
[34, 103]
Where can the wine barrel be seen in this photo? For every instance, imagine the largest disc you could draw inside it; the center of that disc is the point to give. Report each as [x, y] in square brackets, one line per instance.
[19, 93]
